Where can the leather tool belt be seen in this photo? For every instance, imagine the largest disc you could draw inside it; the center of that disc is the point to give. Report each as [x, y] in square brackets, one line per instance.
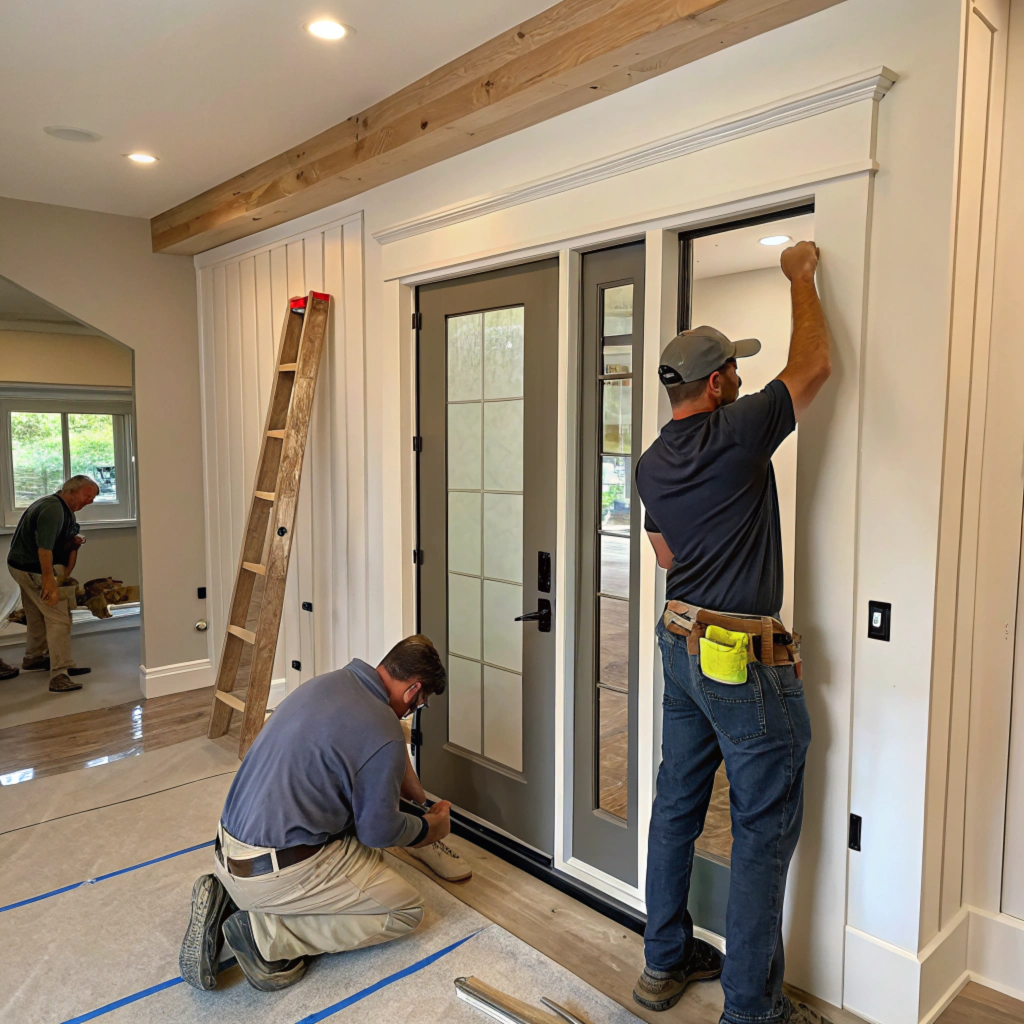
[770, 642]
[250, 867]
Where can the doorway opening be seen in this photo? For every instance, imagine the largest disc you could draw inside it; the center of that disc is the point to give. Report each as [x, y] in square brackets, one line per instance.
[730, 279]
[66, 410]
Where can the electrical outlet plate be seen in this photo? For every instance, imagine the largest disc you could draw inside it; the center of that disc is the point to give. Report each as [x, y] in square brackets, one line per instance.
[879, 614]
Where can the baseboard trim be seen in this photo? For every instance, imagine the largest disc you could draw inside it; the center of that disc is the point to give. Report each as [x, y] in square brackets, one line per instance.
[162, 680]
[886, 984]
[995, 955]
[278, 692]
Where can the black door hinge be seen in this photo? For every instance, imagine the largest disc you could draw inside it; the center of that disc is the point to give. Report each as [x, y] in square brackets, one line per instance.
[417, 556]
[417, 321]
[855, 825]
[297, 665]
[307, 606]
[417, 443]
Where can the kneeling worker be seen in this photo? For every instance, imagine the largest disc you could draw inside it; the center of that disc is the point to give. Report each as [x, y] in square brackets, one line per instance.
[298, 863]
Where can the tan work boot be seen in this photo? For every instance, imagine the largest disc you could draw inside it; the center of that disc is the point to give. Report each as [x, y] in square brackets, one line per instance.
[661, 990]
[443, 861]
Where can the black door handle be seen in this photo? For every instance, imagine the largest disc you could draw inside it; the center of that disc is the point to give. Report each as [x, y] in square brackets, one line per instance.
[542, 616]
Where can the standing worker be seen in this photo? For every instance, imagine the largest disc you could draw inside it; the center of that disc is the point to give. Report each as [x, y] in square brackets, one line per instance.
[732, 677]
[298, 863]
[43, 553]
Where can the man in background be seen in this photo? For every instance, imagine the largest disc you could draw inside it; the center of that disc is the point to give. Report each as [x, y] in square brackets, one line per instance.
[43, 553]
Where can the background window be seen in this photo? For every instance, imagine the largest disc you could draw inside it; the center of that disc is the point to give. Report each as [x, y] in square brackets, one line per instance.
[45, 440]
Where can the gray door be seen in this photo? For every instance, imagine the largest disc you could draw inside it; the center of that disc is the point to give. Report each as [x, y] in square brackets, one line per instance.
[488, 401]
[608, 545]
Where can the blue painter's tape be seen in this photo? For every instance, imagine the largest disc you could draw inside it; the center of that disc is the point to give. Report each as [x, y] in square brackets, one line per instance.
[152, 990]
[329, 1011]
[103, 878]
[118, 1003]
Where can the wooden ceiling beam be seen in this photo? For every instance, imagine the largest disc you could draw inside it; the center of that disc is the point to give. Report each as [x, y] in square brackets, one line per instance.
[568, 55]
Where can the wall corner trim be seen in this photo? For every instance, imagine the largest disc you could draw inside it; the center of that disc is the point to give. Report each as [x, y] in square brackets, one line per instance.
[186, 675]
[868, 85]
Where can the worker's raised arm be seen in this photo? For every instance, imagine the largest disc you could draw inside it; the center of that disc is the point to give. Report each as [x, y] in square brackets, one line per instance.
[809, 362]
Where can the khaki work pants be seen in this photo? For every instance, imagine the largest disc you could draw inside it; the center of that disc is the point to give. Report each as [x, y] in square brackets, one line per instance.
[343, 897]
[49, 629]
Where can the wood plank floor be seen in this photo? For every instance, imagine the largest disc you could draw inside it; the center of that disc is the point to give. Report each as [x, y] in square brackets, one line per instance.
[979, 1005]
[70, 742]
[593, 947]
[582, 940]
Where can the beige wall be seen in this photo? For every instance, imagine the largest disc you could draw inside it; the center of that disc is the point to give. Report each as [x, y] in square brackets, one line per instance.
[100, 269]
[33, 357]
[756, 304]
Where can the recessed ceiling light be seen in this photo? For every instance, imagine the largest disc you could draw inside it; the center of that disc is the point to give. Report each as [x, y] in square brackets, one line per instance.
[775, 240]
[141, 158]
[71, 134]
[327, 28]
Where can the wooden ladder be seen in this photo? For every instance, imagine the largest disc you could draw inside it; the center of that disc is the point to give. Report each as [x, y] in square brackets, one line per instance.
[258, 597]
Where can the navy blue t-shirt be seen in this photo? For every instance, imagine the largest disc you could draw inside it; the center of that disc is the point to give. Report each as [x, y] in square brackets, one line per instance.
[708, 486]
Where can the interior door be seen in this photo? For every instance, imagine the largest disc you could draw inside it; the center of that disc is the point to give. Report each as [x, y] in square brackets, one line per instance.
[608, 543]
[488, 401]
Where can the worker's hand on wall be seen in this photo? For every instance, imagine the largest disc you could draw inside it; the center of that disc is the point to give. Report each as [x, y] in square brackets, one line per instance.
[800, 261]
[50, 594]
[438, 822]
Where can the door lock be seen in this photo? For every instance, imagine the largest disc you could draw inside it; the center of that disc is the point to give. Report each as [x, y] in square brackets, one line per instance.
[542, 616]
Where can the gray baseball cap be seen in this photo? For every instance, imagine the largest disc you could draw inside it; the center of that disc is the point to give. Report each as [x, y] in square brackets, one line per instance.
[699, 352]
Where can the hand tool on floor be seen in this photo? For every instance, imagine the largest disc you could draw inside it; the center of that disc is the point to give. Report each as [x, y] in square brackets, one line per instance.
[506, 1008]
[267, 541]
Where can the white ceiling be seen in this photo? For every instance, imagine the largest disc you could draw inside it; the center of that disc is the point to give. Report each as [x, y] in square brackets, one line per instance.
[211, 87]
[739, 250]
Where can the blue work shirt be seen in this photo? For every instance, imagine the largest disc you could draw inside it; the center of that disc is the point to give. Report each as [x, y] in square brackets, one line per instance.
[330, 758]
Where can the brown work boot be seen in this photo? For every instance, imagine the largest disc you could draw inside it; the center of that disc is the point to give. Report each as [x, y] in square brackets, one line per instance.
[801, 1013]
[661, 990]
[63, 683]
[7, 671]
[36, 664]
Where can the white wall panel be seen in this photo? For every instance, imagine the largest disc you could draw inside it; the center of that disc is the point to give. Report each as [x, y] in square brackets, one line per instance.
[243, 302]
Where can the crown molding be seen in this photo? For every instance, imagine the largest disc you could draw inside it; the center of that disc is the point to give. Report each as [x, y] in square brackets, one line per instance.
[869, 85]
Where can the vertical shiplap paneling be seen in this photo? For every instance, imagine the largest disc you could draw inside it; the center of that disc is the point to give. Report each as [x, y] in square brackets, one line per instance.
[354, 404]
[313, 262]
[208, 381]
[330, 516]
[291, 639]
[227, 509]
[253, 411]
[244, 304]
[236, 427]
[279, 295]
[269, 322]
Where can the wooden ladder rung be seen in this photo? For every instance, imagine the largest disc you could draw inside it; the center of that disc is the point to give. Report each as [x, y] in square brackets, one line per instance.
[275, 433]
[265, 495]
[260, 570]
[288, 367]
[243, 634]
[231, 700]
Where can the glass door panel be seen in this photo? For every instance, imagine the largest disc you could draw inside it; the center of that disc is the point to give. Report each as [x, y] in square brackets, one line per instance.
[486, 479]
[604, 806]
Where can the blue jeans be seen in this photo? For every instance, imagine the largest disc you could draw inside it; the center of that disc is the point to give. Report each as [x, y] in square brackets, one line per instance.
[762, 729]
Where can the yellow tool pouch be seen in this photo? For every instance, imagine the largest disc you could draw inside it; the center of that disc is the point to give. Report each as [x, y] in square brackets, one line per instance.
[723, 655]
